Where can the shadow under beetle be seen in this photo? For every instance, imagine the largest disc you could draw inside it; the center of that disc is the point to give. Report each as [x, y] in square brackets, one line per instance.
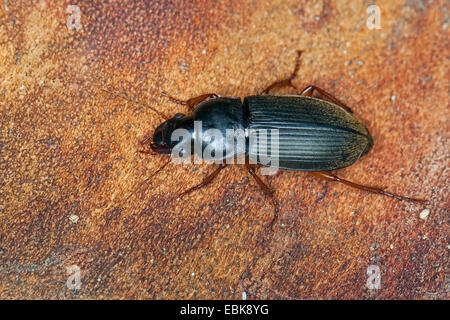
[315, 135]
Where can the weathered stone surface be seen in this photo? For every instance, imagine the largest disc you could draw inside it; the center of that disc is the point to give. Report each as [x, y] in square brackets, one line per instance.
[68, 151]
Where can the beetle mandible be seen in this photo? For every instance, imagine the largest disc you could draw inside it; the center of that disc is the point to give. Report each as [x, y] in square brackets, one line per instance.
[315, 135]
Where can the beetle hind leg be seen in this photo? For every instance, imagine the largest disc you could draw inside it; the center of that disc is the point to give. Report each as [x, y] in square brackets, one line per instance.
[331, 177]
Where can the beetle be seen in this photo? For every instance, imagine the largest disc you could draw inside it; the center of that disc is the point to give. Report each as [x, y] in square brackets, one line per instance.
[314, 135]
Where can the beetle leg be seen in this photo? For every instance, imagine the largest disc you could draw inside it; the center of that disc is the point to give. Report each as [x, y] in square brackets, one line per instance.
[309, 90]
[267, 190]
[205, 180]
[285, 82]
[191, 103]
[331, 177]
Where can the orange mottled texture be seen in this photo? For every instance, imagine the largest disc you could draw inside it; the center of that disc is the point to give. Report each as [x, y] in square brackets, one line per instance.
[68, 151]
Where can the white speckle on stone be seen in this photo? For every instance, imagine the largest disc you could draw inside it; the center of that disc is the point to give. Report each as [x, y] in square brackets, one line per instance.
[391, 246]
[448, 247]
[204, 51]
[193, 274]
[244, 295]
[424, 214]
[374, 246]
[345, 51]
[74, 218]
[360, 63]
[317, 18]
[183, 65]
[425, 237]
[227, 226]
[22, 87]
[393, 98]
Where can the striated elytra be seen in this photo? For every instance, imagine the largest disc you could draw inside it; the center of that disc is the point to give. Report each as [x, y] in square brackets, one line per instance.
[314, 134]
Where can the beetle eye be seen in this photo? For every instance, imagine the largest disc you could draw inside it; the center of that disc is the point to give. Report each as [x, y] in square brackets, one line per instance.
[179, 116]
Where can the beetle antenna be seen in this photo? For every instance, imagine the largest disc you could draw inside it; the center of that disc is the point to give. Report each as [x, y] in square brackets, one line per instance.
[145, 182]
[162, 115]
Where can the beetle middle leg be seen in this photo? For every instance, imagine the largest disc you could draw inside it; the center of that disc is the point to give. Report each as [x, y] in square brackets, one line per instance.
[285, 82]
[331, 177]
[192, 102]
[310, 89]
[267, 190]
[205, 181]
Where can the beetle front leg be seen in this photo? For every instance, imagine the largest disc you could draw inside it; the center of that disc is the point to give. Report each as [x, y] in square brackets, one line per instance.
[205, 181]
[191, 103]
[310, 89]
[267, 190]
[331, 177]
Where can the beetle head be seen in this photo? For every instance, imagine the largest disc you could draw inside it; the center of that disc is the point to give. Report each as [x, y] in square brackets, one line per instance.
[162, 137]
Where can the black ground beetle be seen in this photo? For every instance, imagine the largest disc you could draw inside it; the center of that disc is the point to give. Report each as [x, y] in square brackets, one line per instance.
[315, 135]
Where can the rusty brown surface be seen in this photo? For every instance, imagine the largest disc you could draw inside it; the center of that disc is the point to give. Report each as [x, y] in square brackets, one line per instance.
[68, 151]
